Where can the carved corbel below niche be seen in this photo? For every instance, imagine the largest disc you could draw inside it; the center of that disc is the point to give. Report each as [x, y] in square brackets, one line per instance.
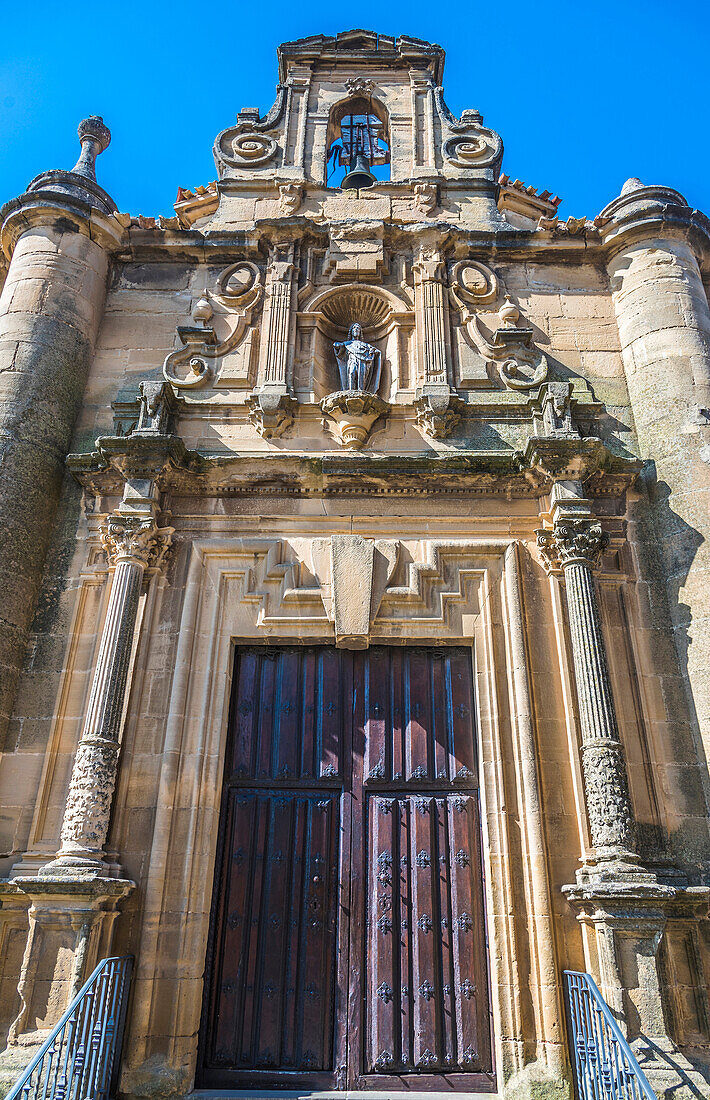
[350, 416]
[239, 292]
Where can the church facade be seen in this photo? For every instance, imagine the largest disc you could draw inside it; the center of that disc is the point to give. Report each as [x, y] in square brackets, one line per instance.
[354, 644]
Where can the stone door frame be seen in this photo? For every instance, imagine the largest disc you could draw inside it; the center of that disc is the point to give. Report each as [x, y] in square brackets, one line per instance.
[460, 591]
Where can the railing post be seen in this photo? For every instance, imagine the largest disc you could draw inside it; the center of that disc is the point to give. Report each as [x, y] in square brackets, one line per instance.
[79, 1058]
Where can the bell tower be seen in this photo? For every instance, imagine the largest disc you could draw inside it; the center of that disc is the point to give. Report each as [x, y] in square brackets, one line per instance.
[391, 90]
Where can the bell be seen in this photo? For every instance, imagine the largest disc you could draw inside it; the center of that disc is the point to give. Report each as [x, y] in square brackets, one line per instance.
[359, 174]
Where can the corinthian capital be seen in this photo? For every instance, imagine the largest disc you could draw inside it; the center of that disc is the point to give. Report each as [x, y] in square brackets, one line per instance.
[572, 542]
[135, 539]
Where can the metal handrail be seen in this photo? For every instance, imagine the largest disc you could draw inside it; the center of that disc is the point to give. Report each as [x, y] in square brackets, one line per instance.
[605, 1067]
[79, 1060]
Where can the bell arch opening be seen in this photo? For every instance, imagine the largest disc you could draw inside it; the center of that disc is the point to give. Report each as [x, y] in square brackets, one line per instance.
[358, 143]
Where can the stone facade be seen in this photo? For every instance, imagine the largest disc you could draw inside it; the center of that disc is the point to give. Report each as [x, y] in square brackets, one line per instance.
[182, 470]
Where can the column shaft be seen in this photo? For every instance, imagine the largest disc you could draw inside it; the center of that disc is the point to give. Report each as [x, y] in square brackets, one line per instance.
[603, 765]
[88, 807]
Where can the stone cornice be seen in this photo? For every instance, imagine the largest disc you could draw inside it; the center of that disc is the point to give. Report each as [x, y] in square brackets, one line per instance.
[180, 471]
[646, 212]
[43, 207]
[169, 244]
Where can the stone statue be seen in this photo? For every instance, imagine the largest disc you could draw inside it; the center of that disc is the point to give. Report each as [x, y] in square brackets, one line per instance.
[359, 363]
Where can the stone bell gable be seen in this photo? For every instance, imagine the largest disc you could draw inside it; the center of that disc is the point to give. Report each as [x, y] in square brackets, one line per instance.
[365, 493]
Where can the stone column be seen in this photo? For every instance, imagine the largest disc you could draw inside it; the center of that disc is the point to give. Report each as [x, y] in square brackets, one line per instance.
[574, 546]
[435, 404]
[59, 236]
[621, 903]
[133, 542]
[271, 406]
[653, 242]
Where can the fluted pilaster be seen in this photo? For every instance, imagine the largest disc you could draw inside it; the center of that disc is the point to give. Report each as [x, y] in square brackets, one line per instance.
[431, 320]
[279, 323]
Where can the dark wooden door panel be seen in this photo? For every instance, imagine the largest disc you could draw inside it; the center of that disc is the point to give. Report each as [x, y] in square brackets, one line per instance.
[272, 998]
[426, 1005]
[287, 715]
[347, 944]
[414, 710]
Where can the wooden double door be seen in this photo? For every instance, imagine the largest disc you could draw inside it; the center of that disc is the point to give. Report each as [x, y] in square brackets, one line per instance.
[347, 944]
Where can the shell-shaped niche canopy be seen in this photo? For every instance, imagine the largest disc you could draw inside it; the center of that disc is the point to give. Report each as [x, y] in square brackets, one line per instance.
[349, 304]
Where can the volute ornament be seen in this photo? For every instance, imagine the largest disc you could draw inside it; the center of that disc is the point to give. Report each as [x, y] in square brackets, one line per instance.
[572, 542]
[250, 150]
[474, 282]
[467, 152]
[239, 291]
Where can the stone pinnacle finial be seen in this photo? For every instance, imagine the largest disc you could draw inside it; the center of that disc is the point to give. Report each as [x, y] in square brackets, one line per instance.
[94, 138]
[632, 184]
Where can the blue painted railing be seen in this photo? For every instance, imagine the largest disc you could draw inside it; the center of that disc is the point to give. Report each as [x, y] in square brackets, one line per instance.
[81, 1056]
[604, 1065]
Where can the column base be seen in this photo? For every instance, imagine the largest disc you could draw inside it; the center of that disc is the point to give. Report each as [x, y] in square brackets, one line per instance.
[537, 1083]
[71, 923]
[628, 921]
[74, 869]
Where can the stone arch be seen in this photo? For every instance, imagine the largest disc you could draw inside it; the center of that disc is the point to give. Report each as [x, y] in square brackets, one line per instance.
[359, 103]
[387, 321]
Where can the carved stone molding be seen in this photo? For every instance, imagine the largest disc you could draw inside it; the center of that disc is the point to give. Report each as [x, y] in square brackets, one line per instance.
[135, 539]
[438, 413]
[353, 414]
[359, 86]
[426, 197]
[290, 197]
[271, 412]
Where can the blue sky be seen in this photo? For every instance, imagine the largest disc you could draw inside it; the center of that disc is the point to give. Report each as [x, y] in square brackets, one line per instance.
[584, 95]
